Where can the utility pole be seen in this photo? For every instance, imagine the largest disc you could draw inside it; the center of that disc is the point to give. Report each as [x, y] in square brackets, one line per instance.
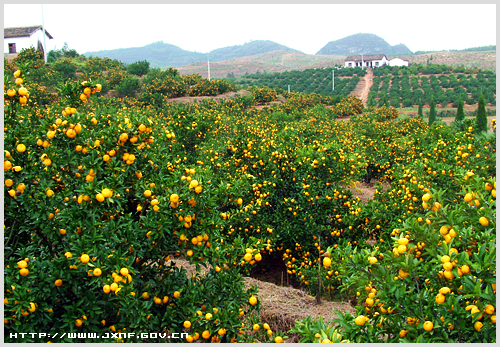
[208, 62]
[44, 45]
[333, 79]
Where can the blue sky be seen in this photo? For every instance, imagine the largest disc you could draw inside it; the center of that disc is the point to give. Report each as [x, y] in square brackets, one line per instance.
[307, 28]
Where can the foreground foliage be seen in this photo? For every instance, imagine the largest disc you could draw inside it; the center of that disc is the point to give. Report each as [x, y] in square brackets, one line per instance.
[101, 194]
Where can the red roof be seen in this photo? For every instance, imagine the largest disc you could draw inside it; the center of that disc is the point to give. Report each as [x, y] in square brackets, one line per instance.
[23, 31]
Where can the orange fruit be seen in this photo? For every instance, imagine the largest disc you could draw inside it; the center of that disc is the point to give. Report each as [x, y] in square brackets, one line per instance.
[71, 133]
[478, 325]
[7, 165]
[440, 298]
[252, 300]
[484, 221]
[99, 197]
[124, 272]
[187, 324]
[327, 262]
[177, 294]
[24, 272]
[83, 97]
[147, 193]
[22, 91]
[428, 326]
[489, 309]
[97, 272]
[360, 320]
[58, 282]
[206, 334]
[84, 258]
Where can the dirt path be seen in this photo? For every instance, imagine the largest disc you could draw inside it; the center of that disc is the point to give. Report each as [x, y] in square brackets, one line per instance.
[368, 78]
[363, 88]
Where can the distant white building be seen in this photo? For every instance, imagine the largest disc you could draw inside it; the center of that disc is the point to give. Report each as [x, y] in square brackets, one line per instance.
[369, 60]
[398, 62]
[17, 39]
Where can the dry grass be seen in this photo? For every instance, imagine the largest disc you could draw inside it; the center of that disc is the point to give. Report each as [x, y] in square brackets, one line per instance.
[282, 306]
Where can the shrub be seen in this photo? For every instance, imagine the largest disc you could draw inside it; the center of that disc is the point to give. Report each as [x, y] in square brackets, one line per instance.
[139, 68]
[129, 86]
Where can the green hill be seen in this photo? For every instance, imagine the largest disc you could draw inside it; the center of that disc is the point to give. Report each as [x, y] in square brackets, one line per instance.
[362, 44]
[158, 54]
[161, 54]
[248, 49]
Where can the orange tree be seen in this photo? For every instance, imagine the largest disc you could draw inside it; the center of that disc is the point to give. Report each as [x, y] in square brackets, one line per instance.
[431, 275]
[96, 202]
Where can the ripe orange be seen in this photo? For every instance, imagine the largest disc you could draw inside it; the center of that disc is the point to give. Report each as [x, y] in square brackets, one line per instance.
[484, 221]
[478, 325]
[71, 133]
[187, 324]
[7, 165]
[440, 298]
[99, 197]
[58, 282]
[360, 320]
[327, 262]
[177, 294]
[247, 257]
[252, 300]
[22, 264]
[24, 272]
[124, 272]
[428, 326]
[489, 309]
[97, 272]
[85, 258]
[78, 322]
[21, 148]
[206, 334]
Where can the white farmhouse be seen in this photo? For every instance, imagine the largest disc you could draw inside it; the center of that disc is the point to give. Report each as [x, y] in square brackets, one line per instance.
[369, 60]
[398, 62]
[16, 39]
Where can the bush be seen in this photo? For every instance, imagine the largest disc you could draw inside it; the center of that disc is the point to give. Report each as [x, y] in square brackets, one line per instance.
[129, 86]
[139, 68]
[65, 68]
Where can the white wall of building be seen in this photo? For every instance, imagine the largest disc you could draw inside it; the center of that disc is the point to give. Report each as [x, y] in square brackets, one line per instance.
[26, 42]
[398, 62]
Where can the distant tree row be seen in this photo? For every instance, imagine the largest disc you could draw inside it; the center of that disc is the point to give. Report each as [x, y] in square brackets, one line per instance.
[308, 81]
[405, 91]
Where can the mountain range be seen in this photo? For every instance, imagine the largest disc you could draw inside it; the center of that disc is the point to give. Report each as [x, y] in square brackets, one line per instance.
[160, 54]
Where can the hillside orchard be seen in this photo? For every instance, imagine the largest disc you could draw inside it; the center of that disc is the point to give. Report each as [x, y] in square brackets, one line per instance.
[103, 194]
